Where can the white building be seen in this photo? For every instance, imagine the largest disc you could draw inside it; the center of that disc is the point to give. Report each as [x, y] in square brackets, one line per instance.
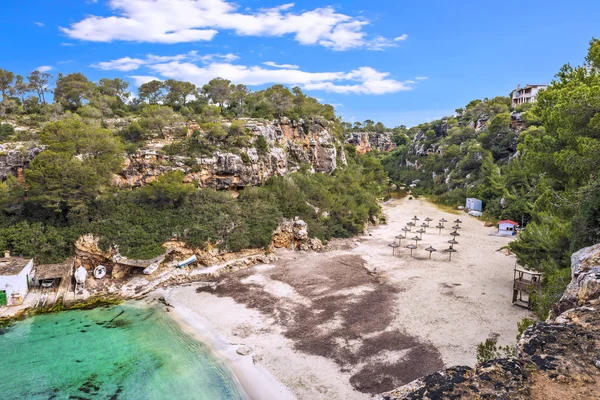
[527, 94]
[15, 278]
[474, 204]
[507, 227]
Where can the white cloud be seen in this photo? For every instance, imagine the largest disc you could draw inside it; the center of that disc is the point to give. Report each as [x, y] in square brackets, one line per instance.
[177, 21]
[121, 64]
[40, 24]
[67, 44]
[285, 66]
[141, 79]
[44, 68]
[421, 78]
[401, 38]
[130, 64]
[364, 80]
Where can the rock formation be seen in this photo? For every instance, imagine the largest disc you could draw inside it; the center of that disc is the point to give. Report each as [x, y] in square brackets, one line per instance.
[15, 157]
[556, 359]
[291, 144]
[368, 141]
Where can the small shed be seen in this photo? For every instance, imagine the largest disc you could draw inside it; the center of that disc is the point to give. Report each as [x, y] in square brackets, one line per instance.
[15, 279]
[507, 227]
[53, 276]
[474, 204]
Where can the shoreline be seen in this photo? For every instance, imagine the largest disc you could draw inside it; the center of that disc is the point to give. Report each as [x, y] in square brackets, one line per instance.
[256, 382]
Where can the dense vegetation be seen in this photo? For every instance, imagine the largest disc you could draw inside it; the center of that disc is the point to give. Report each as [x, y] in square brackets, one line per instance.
[68, 192]
[538, 165]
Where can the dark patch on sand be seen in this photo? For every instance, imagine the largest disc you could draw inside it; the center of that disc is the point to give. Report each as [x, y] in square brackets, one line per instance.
[347, 321]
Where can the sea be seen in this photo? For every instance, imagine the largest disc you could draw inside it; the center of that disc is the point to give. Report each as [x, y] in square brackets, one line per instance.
[127, 351]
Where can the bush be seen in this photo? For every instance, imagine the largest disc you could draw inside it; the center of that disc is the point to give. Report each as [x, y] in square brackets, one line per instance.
[489, 350]
[6, 130]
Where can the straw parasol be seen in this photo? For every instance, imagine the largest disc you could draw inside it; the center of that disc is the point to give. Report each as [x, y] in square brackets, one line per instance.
[456, 227]
[415, 218]
[411, 247]
[410, 225]
[440, 227]
[421, 232]
[406, 230]
[416, 239]
[458, 221]
[443, 221]
[428, 220]
[400, 237]
[452, 242]
[430, 250]
[450, 250]
[455, 234]
[424, 226]
[394, 246]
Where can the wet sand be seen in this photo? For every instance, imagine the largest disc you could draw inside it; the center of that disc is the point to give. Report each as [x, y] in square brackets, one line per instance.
[326, 326]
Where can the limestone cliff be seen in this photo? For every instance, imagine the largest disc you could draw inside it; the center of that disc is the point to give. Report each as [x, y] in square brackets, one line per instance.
[556, 359]
[15, 157]
[291, 144]
[369, 141]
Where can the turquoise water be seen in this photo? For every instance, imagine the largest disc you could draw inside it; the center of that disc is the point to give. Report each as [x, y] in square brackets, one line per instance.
[121, 352]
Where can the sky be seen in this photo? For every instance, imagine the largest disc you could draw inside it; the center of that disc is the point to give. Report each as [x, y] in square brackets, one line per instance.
[399, 62]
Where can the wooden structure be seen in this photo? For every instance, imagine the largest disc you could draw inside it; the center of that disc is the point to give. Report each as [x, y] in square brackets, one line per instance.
[524, 285]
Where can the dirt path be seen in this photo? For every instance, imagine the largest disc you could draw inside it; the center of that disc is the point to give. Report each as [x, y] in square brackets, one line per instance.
[327, 327]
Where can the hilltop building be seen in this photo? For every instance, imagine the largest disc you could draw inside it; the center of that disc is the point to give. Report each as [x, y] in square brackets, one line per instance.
[527, 94]
[15, 279]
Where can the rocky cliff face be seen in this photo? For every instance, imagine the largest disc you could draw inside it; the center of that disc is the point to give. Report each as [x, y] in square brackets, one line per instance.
[291, 144]
[557, 359]
[15, 157]
[368, 141]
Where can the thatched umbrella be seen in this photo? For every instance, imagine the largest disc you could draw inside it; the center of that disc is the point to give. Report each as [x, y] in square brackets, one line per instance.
[440, 227]
[458, 221]
[452, 242]
[400, 237]
[416, 239]
[394, 246]
[428, 220]
[415, 218]
[421, 232]
[406, 230]
[430, 250]
[450, 250]
[455, 234]
[424, 226]
[410, 225]
[456, 227]
[443, 221]
[411, 247]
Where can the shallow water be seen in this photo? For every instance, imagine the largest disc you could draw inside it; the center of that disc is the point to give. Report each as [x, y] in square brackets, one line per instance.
[122, 352]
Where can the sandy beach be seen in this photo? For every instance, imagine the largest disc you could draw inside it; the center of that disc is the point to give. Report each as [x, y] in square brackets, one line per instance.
[323, 325]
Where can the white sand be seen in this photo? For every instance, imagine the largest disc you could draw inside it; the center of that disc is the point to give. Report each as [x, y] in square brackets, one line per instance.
[452, 305]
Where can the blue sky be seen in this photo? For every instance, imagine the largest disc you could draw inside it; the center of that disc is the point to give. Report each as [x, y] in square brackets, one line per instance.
[398, 62]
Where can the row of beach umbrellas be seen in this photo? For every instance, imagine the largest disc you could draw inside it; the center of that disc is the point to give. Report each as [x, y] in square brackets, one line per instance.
[421, 231]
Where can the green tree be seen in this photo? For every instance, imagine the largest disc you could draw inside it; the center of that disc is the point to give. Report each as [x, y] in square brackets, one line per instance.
[72, 90]
[156, 118]
[152, 91]
[38, 81]
[218, 91]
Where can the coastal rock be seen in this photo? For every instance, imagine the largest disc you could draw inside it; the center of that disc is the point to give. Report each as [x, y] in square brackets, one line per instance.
[15, 157]
[244, 350]
[368, 141]
[557, 358]
[585, 283]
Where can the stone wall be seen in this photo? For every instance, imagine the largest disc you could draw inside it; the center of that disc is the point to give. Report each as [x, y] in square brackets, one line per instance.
[556, 359]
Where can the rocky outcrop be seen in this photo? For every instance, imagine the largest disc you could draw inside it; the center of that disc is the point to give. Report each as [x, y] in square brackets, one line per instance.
[556, 359]
[293, 234]
[369, 141]
[291, 144]
[15, 157]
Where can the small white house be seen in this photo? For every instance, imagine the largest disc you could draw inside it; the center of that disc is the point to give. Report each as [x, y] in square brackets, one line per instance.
[507, 227]
[15, 279]
[474, 204]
